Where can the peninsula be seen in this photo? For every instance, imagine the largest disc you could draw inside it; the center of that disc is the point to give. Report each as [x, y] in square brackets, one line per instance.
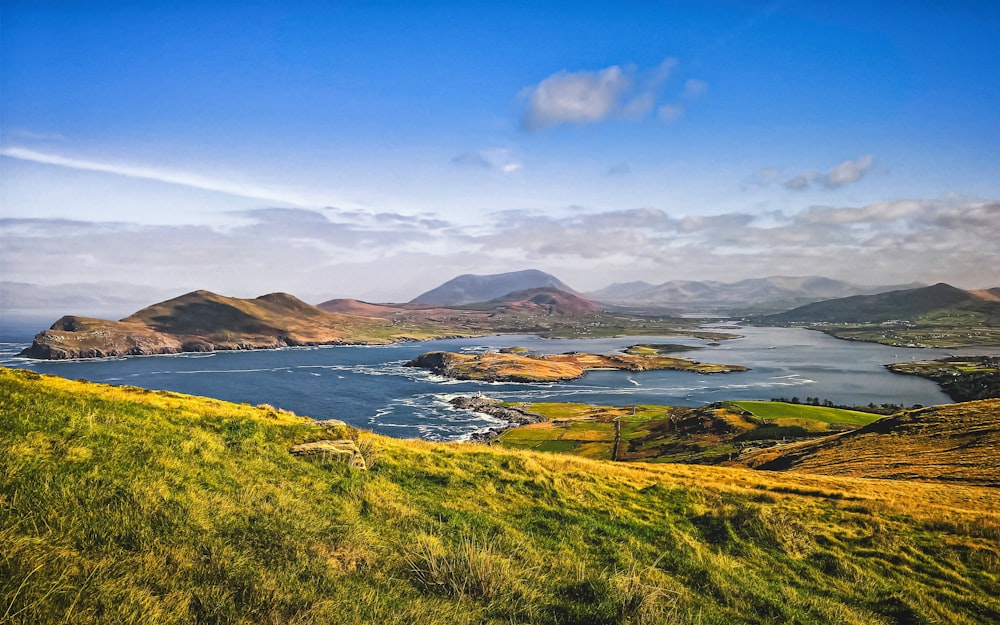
[202, 321]
[540, 368]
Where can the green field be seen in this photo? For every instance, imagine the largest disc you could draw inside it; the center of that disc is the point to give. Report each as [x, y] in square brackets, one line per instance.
[673, 434]
[778, 411]
[943, 328]
[120, 505]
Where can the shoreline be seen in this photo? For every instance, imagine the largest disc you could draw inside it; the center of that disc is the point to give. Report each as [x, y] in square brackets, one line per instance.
[513, 417]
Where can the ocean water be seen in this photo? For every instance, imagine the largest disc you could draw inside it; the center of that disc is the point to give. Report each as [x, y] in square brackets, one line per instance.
[370, 388]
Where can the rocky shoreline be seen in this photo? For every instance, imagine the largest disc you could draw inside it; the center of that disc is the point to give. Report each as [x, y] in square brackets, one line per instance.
[513, 416]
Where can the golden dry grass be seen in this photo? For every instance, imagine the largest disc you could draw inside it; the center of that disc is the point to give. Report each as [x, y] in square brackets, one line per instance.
[951, 443]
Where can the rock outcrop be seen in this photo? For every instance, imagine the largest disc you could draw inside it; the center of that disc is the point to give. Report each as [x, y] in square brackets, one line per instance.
[344, 451]
[512, 415]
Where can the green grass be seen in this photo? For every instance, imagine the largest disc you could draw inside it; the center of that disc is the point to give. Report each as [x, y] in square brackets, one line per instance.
[776, 411]
[120, 505]
[557, 445]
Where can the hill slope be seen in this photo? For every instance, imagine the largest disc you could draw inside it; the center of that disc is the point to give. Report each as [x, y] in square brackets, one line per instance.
[543, 300]
[954, 443]
[902, 304]
[470, 289]
[205, 321]
[130, 506]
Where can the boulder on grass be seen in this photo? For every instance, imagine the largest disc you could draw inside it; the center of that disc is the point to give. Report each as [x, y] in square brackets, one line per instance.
[345, 451]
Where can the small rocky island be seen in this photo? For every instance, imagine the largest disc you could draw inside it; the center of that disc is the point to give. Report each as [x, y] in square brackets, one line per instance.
[510, 366]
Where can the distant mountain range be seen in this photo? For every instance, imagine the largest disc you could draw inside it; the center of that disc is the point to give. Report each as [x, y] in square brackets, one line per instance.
[520, 302]
[770, 294]
[761, 295]
[472, 289]
[899, 304]
[542, 300]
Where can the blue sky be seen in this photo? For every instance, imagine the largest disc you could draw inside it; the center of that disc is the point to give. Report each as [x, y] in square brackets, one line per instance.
[376, 149]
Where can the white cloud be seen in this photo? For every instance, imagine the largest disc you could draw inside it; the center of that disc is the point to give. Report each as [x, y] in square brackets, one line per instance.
[800, 182]
[499, 159]
[660, 73]
[639, 106]
[579, 97]
[948, 239]
[588, 97]
[186, 179]
[844, 174]
[848, 172]
[300, 251]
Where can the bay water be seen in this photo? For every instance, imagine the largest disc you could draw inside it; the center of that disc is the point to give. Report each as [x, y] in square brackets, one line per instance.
[369, 386]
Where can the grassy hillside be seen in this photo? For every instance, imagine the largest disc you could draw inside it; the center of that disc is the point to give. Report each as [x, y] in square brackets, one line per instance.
[952, 443]
[962, 378]
[119, 505]
[903, 304]
[785, 413]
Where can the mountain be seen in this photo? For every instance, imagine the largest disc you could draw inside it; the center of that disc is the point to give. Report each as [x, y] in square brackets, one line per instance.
[471, 289]
[621, 291]
[905, 304]
[772, 293]
[547, 300]
[204, 321]
[955, 443]
[357, 307]
[989, 295]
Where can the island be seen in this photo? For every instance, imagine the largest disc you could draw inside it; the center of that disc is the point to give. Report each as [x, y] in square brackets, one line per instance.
[512, 366]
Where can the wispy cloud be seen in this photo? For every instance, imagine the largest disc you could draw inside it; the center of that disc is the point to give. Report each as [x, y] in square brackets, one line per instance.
[619, 169]
[670, 112]
[32, 135]
[694, 88]
[767, 175]
[843, 174]
[290, 249]
[186, 179]
[588, 97]
[499, 159]
[848, 172]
